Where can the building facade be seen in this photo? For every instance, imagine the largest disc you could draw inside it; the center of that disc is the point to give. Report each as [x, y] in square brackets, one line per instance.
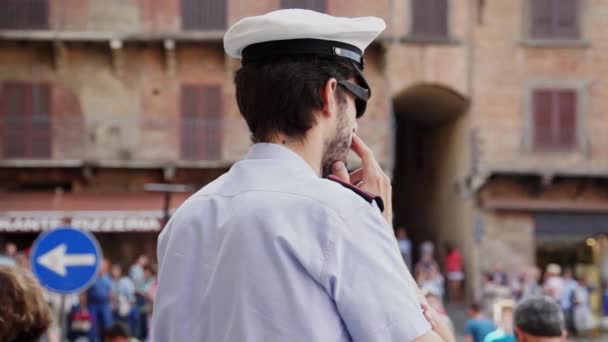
[488, 115]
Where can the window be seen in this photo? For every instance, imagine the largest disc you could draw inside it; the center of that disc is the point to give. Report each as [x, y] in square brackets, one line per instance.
[203, 14]
[315, 5]
[25, 120]
[555, 19]
[24, 14]
[201, 128]
[554, 119]
[429, 19]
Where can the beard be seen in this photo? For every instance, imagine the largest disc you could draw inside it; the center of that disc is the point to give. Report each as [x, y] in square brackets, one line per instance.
[336, 149]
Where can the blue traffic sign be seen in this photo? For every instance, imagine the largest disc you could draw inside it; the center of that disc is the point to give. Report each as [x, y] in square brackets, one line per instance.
[66, 260]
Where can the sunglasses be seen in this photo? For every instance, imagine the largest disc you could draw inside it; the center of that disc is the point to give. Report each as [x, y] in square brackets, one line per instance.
[361, 95]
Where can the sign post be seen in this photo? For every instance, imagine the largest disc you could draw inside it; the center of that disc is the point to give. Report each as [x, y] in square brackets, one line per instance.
[66, 260]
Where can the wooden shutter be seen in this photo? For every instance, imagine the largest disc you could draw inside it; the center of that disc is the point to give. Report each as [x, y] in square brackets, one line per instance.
[26, 127]
[203, 14]
[555, 119]
[541, 18]
[429, 18]
[542, 118]
[555, 19]
[315, 5]
[201, 122]
[566, 24]
[39, 140]
[24, 14]
[566, 121]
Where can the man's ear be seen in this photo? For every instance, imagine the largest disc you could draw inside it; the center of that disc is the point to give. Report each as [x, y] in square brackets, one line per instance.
[328, 96]
[519, 335]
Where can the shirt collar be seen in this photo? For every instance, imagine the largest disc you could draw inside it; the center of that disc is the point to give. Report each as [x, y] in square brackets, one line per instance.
[279, 153]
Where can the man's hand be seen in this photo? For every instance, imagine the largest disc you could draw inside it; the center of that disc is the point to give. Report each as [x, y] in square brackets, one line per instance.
[369, 177]
[437, 323]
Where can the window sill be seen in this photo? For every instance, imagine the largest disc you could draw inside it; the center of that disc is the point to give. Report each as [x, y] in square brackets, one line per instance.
[429, 40]
[555, 43]
[103, 36]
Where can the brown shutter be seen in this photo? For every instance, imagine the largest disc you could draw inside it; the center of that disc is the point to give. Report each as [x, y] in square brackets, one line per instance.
[24, 14]
[39, 143]
[203, 14]
[541, 18]
[430, 18]
[542, 122]
[15, 117]
[439, 18]
[315, 5]
[420, 18]
[188, 107]
[201, 126]
[566, 19]
[566, 122]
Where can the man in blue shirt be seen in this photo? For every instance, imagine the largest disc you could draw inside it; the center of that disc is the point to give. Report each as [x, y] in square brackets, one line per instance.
[478, 327]
[98, 298]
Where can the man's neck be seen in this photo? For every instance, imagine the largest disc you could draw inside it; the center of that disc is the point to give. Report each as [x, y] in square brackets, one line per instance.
[310, 148]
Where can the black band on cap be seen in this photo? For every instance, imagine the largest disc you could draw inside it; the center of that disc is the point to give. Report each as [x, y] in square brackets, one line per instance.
[307, 46]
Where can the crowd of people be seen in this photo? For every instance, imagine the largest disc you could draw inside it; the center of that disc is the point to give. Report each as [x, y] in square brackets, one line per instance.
[491, 309]
[120, 302]
[117, 304]
[570, 293]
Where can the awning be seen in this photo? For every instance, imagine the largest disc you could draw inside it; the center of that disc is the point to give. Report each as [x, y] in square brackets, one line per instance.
[552, 226]
[126, 212]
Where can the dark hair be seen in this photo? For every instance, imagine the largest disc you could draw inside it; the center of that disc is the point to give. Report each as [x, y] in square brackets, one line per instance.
[25, 315]
[117, 329]
[279, 94]
[475, 307]
[539, 316]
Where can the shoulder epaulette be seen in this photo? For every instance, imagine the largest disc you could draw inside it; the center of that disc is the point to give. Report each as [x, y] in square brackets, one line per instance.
[369, 197]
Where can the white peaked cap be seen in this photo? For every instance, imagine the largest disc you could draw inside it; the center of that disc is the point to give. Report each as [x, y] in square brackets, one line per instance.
[290, 24]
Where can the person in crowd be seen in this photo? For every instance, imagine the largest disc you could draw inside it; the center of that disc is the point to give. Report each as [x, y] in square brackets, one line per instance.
[24, 314]
[503, 318]
[531, 286]
[478, 326]
[123, 298]
[455, 273]
[8, 257]
[136, 272]
[431, 279]
[81, 324]
[427, 260]
[98, 298]
[539, 319]
[517, 286]
[492, 291]
[145, 299]
[499, 275]
[405, 246]
[554, 283]
[118, 332]
[582, 315]
[566, 299]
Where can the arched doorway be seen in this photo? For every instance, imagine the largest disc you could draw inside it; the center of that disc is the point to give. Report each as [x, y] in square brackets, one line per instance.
[431, 157]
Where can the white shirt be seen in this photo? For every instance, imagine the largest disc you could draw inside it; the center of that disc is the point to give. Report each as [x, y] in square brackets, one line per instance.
[271, 252]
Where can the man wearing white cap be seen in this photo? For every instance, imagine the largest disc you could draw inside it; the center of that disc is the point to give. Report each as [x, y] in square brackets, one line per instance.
[288, 246]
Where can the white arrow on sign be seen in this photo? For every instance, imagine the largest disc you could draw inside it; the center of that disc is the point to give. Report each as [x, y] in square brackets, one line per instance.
[57, 260]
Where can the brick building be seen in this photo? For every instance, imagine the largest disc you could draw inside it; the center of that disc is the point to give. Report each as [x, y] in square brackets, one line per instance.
[487, 113]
